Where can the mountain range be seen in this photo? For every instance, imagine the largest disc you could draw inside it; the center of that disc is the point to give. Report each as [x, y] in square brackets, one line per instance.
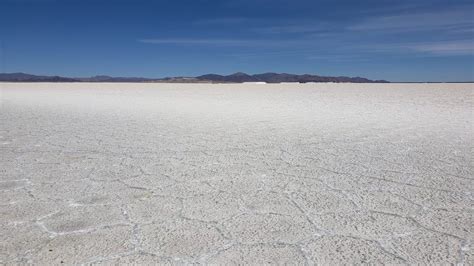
[22, 77]
[238, 77]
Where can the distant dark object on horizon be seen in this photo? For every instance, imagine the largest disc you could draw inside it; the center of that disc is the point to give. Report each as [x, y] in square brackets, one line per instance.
[209, 78]
[22, 77]
[283, 77]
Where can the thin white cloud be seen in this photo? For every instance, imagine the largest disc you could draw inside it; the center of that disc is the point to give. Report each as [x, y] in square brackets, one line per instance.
[226, 42]
[231, 42]
[339, 57]
[439, 48]
[293, 28]
[449, 19]
[445, 48]
[300, 47]
[223, 21]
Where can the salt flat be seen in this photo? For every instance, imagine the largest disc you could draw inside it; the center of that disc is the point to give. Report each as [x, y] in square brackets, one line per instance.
[226, 174]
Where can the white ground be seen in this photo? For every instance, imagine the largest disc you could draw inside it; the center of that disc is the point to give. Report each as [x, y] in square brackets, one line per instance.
[315, 173]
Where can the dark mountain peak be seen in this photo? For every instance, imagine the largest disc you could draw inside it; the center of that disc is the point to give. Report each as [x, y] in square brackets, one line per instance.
[210, 76]
[238, 77]
[23, 77]
[101, 77]
[271, 77]
[267, 73]
[16, 75]
[238, 74]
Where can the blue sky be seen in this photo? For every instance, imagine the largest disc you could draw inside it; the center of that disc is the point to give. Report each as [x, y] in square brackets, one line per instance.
[397, 40]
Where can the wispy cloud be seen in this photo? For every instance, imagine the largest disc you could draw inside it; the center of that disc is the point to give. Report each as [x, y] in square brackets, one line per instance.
[339, 58]
[445, 48]
[310, 48]
[223, 21]
[226, 42]
[457, 18]
[435, 48]
[295, 27]
[263, 27]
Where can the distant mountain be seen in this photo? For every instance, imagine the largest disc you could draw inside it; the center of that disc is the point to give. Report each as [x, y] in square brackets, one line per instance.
[114, 79]
[22, 77]
[282, 77]
[238, 77]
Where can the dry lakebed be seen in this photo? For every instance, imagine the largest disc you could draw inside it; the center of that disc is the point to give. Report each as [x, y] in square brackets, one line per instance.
[103, 173]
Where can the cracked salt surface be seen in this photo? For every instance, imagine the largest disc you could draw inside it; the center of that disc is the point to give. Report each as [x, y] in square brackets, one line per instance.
[232, 174]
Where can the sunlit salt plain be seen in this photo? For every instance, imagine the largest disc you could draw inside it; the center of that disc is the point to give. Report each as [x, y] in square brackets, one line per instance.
[203, 173]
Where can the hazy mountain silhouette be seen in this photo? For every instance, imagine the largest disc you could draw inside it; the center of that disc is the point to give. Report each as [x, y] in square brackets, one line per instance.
[238, 77]
[282, 77]
[23, 77]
